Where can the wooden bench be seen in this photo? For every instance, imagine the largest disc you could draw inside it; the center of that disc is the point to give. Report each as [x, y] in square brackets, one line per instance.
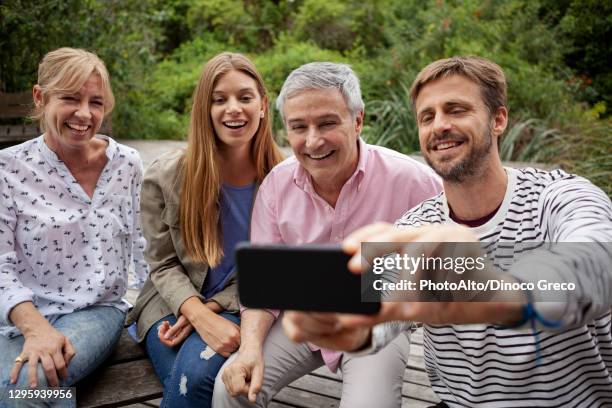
[128, 379]
[15, 107]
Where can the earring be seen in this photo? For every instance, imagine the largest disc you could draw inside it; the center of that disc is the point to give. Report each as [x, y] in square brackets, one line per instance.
[261, 115]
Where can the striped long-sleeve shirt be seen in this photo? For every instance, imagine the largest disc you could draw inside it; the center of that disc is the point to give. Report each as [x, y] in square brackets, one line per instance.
[492, 366]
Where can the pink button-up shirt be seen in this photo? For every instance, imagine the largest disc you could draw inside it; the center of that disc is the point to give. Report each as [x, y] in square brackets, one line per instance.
[384, 186]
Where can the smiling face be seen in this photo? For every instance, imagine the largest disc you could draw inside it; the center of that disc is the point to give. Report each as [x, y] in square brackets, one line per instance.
[236, 109]
[72, 119]
[457, 134]
[323, 135]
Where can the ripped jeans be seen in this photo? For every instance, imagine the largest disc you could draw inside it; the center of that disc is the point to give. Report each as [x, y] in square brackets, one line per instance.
[188, 370]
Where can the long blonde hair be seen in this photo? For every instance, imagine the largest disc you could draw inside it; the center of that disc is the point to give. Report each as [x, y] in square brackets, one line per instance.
[202, 180]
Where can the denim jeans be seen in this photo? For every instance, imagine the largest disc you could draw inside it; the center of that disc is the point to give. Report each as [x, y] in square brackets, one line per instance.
[187, 371]
[93, 331]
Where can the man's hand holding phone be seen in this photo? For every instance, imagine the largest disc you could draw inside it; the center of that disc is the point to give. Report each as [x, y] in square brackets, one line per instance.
[325, 330]
[334, 333]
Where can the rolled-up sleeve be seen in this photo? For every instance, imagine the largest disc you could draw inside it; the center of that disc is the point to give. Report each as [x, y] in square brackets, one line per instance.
[227, 298]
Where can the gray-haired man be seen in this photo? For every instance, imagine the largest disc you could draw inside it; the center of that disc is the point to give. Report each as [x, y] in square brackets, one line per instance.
[334, 185]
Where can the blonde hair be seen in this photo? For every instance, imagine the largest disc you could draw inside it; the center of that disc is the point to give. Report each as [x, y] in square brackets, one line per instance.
[486, 74]
[66, 70]
[202, 180]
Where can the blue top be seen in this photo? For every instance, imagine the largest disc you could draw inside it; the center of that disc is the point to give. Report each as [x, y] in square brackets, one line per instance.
[235, 212]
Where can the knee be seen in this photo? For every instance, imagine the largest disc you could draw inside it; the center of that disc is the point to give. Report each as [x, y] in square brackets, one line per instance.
[195, 377]
[384, 391]
[197, 363]
[223, 399]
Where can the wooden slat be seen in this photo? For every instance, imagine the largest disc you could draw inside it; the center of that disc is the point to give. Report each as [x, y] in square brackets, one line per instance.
[276, 404]
[416, 337]
[153, 403]
[414, 403]
[15, 98]
[16, 111]
[21, 133]
[19, 105]
[415, 358]
[419, 392]
[305, 399]
[321, 385]
[126, 350]
[416, 377]
[332, 388]
[324, 372]
[15, 105]
[18, 132]
[127, 383]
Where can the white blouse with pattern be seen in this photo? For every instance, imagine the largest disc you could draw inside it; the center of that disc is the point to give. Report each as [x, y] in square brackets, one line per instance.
[59, 248]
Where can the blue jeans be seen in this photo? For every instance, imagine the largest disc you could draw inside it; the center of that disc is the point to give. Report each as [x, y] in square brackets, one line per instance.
[93, 331]
[188, 370]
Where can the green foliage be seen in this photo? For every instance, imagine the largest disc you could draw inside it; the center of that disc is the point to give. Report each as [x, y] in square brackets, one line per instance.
[286, 55]
[276, 64]
[228, 19]
[26, 37]
[326, 23]
[585, 148]
[390, 123]
[586, 27]
[554, 53]
[123, 34]
[163, 107]
[527, 140]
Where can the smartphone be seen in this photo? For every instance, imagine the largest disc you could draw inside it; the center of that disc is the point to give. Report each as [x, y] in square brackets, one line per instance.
[306, 277]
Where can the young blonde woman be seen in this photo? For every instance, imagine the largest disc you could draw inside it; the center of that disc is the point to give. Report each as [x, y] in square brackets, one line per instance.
[68, 230]
[195, 207]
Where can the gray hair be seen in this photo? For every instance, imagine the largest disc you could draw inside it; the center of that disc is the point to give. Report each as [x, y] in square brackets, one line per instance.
[323, 75]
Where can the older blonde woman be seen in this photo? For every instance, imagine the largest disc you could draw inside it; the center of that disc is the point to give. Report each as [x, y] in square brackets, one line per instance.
[68, 230]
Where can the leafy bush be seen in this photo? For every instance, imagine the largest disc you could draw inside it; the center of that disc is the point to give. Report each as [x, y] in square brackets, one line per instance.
[585, 148]
[160, 107]
[553, 53]
[276, 64]
[390, 123]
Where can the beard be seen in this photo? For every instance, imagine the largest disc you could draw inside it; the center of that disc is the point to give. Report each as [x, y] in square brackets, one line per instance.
[465, 168]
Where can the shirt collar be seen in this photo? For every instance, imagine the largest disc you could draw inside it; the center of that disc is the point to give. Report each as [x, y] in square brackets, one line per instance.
[501, 211]
[303, 180]
[51, 156]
